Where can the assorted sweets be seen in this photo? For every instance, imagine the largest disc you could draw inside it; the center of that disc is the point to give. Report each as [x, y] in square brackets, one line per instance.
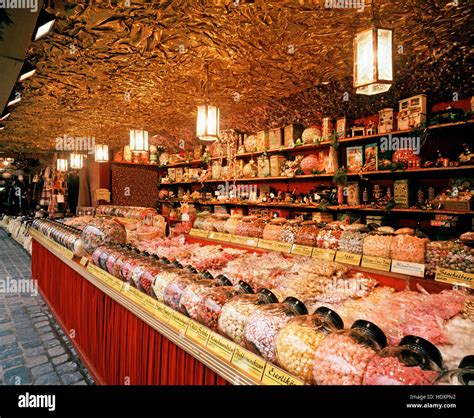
[215, 286]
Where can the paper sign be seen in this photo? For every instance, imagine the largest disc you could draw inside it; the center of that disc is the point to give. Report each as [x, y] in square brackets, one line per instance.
[302, 250]
[377, 263]
[220, 236]
[411, 269]
[324, 254]
[267, 244]
[84, 261]
[105, 277]
[455, 277]
[220, 346]
[178, 322]
[249, 363]
[198, 233]
[275, 376]
[348, 258]
[197, 332]
[251, 242]
[163, 313]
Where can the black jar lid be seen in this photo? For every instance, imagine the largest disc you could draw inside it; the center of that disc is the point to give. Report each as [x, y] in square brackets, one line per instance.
[297, 305]
[206, 275]
[330, 316]
[191, 269]
[223, 280]
[372, 330]
[177, 264]
[165, 260]
[422, 347]
[467, 362]
[267, 296]
[244, 287]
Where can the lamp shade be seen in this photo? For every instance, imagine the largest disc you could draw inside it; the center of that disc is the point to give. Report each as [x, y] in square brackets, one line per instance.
[101, 153]
[207, 125]
[61, 165]
[76, 161]
[138, 140]
[373, 61]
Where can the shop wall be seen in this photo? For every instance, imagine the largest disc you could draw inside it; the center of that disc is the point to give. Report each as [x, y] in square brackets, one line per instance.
[134, 185]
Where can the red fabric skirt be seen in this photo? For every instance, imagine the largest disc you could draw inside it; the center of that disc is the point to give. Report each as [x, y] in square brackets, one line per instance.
[116, 346]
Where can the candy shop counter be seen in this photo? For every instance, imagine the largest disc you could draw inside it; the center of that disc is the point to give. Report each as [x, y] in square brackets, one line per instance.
[124, 337]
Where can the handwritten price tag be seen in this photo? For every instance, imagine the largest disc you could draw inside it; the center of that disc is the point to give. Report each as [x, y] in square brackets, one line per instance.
[377, 263]
[248, 363]
[220, 346]
[277, 377]
[220, 236]
[251, 242]
[163, 312]
[324, 254]
[405, 267]
[198, 233]
[105, 277]
[198, 333]
[274, 245]
[455, 277]
[348, 258]
[302, 250]
[179, 322]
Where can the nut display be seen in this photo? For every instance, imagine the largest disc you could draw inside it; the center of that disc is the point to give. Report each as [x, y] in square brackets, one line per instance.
[408, 248]
[342, 357]
[307, 234]
[328, 238]
[377, 245]
[299, 338]
[290, 230]
[273, 229]
[351, 242]
[449, 254]
[231, 224]
[262, 327]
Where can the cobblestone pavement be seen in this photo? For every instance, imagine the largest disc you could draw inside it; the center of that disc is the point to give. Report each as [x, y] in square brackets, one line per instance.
[33, 347]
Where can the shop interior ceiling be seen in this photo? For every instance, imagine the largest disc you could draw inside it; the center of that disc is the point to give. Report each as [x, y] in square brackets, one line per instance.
[111, 66]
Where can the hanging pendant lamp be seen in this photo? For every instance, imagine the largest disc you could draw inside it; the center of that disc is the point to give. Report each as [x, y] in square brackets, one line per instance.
[207, 123]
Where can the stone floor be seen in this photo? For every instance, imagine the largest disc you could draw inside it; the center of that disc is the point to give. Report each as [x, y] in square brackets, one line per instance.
[33, 347]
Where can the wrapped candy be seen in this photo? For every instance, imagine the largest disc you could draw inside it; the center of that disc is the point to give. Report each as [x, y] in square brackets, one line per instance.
[273, 229]
[307, 234]
[328, 238]
[263, 326]
[377, 245]
[408, 248]
[290, 231]
[299, 338]
[415, 361]
[342, 357]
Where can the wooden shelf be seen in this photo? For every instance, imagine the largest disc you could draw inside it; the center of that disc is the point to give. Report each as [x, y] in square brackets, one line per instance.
[329, 208]
[330, 176]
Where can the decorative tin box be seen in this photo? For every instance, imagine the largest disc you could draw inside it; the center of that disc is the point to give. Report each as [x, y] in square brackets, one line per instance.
[275, 138]
[412, 112]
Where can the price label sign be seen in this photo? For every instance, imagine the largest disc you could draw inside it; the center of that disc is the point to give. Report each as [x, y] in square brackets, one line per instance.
[220, 346]
[84, 261]
[220, 236]
[105, 277]
[134, 294]
[411, 269]
[197, 333]
[302, 250]
[178, 322]
[198, 233]
[274, 376]
[348, 258]
[455, 277]
[251, 242]
[248, 363]
[267, 244]
[163, 312]
[376, 263]
[324, 254]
